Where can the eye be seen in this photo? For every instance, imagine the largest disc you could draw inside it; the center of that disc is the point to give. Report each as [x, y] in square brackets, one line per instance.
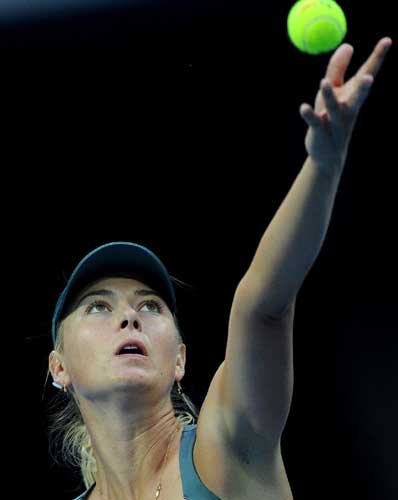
[154, 306]
[97, 306]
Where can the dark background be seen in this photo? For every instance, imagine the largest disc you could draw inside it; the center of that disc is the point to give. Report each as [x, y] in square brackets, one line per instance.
[176, 125]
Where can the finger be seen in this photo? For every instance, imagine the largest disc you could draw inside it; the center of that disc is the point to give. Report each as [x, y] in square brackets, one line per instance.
[338, 64]
[372, 65]
[331, 102]
[362, 92]
[309, 116]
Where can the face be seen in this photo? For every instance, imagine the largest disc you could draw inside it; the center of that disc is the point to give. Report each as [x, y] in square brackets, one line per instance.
[105, 314]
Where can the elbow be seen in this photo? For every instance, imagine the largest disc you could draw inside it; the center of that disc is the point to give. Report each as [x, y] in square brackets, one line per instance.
[256, 301]
[276, 315]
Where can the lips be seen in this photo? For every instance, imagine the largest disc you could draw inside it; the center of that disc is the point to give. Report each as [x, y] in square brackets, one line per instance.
[132, 342]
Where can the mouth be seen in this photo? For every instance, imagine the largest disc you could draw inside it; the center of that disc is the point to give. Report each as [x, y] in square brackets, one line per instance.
[128, 355]
[132, 348]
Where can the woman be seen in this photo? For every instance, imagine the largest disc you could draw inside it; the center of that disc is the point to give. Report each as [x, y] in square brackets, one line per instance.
[120, 300]
[102, 318]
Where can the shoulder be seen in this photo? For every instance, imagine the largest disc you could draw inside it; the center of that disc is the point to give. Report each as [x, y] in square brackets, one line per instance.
[230, 466]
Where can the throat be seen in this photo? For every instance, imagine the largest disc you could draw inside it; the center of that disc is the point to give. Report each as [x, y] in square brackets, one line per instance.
[158, 479]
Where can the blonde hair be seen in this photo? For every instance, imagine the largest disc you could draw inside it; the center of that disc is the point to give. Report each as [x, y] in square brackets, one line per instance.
[69, 440]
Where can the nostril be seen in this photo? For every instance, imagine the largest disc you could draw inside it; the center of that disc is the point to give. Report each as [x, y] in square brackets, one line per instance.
[125, 323]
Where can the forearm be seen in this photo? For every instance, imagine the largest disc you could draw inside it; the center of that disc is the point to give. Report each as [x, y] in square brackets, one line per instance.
[292, 241]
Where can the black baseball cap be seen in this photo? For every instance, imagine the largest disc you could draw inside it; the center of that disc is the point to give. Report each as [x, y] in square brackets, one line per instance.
[119, 258]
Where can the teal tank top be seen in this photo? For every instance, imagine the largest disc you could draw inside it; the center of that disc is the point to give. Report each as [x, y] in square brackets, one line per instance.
[193, 487]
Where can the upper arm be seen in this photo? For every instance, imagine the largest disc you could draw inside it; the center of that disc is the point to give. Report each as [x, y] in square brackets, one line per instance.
[257, 374]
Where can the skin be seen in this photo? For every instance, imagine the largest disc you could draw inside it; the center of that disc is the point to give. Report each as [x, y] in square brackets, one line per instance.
[125, 403]
[337, 104]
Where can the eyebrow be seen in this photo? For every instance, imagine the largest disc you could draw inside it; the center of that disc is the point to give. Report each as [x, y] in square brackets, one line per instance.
[141, 292]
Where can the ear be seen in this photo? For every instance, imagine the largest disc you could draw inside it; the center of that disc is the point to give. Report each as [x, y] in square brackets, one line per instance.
[180, 362]
[58, 369]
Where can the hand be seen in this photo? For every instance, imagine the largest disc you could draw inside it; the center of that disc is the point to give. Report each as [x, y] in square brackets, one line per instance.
[337, 105]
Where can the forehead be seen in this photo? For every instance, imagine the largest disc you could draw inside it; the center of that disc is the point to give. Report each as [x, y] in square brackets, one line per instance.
[122, 284]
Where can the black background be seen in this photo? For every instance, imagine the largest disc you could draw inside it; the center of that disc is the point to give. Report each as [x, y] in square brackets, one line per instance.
[176, 126]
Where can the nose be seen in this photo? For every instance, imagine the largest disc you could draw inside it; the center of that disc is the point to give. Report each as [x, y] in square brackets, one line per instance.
[130, 320]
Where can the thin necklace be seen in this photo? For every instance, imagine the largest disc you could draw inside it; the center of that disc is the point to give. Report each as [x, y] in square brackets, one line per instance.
[157, 494]
[158, 489]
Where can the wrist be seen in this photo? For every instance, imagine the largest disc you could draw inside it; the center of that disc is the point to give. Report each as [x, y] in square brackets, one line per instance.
[329, 170]
[330, 167]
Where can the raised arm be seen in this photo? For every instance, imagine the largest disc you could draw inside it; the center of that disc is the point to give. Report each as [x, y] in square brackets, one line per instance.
[254, 385]
[295, 236]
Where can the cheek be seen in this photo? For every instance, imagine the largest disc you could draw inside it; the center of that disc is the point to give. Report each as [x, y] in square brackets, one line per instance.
[78, 355]
[81, 353]
[85, 334]
[163, 337]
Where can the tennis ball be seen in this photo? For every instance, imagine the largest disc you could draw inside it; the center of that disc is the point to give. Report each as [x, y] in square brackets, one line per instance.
[316, 26]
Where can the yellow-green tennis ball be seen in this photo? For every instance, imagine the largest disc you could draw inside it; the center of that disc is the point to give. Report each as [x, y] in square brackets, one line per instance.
[316, 26]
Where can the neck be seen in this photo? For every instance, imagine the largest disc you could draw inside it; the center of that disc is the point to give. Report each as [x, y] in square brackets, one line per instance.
[128, 467]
